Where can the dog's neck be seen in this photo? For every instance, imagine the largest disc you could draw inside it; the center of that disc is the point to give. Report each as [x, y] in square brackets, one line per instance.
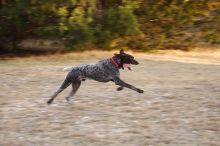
[116, 61]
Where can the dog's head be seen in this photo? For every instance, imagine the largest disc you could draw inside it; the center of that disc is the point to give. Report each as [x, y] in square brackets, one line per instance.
[125, 60]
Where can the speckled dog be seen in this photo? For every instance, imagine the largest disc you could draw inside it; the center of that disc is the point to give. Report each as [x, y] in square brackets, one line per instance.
[103, 71]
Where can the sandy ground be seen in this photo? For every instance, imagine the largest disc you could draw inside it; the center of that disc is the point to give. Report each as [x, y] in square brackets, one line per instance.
[180, 106]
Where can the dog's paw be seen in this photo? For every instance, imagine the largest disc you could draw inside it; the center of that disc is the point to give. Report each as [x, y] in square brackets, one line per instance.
[119, 88]
[140, 91]
[49, 102]
[69, 100]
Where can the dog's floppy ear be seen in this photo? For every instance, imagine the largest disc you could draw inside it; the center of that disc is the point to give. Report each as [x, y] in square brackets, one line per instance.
[122, 51]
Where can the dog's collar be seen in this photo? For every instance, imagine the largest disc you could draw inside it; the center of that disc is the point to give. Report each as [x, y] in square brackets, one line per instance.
[114, 62]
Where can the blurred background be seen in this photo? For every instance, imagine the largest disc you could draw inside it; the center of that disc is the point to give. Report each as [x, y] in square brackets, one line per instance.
[139, 25]
[176, 42]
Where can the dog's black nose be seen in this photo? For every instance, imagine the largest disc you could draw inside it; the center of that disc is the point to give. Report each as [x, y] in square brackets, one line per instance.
[135, 62]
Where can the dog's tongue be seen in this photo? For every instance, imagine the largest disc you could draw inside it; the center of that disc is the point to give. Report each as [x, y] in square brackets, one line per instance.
[127, 66]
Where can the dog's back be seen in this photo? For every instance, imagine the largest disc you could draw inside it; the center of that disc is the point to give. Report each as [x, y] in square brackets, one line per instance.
[102, 71]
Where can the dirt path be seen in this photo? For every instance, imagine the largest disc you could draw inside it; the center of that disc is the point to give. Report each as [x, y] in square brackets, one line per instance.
[180, 106]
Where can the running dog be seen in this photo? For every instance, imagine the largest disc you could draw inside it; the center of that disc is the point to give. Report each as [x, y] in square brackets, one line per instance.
[103, 71]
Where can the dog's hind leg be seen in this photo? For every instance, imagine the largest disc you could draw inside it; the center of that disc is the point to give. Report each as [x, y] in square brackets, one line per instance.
[75, 87]
[64, 85]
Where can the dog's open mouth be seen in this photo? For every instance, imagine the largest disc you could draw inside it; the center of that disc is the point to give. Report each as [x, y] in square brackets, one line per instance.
[128, 66]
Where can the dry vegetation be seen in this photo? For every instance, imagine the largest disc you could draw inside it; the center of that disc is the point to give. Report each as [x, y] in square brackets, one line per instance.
[180, 105]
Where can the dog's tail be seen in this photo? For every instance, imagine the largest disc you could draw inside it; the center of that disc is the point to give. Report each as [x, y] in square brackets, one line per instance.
[67, 68]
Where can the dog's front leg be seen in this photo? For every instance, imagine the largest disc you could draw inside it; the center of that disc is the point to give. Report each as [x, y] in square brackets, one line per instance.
[119, 82]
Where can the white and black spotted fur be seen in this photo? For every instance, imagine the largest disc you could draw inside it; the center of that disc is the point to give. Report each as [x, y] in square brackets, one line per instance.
[103, 71]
